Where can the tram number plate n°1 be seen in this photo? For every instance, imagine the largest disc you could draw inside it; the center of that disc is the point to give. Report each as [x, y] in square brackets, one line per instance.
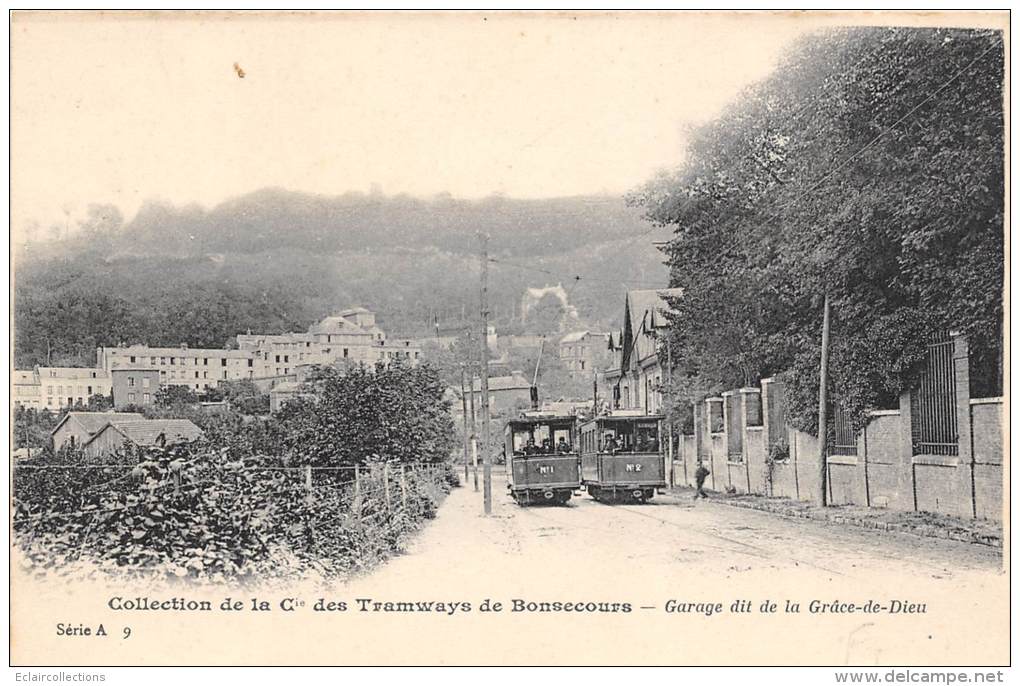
[545, 469]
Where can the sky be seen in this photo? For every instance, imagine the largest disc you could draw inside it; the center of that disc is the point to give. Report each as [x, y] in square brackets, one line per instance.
[115, 109]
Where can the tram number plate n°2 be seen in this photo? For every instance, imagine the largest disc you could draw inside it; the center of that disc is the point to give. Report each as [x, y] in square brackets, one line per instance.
[633, 467]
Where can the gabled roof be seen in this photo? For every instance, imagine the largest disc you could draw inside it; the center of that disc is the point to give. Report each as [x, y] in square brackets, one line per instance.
[144, 432]
[574, 336]
[644, 309]
[92, 422]
[335, 324]
[653, 301]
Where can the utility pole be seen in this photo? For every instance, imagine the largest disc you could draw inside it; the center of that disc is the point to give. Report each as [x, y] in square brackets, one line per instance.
[823, 427]
[484, 364]
[464, 411]
[669, 387]
[471, 400]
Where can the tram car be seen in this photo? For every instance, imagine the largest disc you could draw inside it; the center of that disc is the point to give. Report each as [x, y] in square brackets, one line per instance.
[622, 457]
[542, 459]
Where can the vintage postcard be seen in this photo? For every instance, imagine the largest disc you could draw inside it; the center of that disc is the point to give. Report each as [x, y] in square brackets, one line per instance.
[510, 338]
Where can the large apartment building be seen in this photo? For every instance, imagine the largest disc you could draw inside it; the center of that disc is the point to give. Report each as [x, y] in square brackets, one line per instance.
[60, 386]
[198, 368]
[350, 335]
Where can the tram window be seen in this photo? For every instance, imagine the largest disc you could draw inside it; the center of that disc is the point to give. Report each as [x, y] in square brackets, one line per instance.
[543, 437]
[647, 438]
[521, 441]
[561, 438]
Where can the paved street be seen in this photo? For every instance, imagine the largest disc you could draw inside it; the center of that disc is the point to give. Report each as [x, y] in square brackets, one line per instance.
[705, 552]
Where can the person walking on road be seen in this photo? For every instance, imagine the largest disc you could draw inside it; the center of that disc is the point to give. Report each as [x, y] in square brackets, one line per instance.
[700, 475]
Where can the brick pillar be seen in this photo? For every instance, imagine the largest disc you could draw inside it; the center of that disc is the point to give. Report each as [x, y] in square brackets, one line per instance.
[961, 375]
[751, 415]
[905, 499]
[690, 466]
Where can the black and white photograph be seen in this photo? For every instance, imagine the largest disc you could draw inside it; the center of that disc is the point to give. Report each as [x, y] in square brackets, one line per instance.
[510, 338]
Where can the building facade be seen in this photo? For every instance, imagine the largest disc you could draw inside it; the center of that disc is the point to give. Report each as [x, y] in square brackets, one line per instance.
[134, 385]
[635, 374]
[197, 368]
[26, 391]
[584, 352]
[69, 386]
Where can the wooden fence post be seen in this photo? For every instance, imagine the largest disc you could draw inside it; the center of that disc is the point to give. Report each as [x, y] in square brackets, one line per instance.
[386, 483]
[403, 487]
[308, 483]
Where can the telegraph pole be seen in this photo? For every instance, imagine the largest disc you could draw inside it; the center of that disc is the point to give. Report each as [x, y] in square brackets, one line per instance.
[823, 427]
[474, 432]
[484, 364]
[464, 411]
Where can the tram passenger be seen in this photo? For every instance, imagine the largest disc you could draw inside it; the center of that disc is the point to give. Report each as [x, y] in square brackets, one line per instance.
[563, 447]
[530, 448]
[612, 446]
[547, 446]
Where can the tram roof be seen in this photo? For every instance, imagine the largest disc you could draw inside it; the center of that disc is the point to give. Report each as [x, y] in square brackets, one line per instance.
[618, 419]
[538, 418]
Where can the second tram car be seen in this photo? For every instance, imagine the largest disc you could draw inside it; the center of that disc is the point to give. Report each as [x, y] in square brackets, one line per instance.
[622, 456]
[542, 458]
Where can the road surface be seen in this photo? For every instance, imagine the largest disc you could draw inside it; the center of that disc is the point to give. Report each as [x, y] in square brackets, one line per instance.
[703, 555]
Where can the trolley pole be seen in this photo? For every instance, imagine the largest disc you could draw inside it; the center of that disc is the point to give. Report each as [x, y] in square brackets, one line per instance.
[823, 432]
[484, 364]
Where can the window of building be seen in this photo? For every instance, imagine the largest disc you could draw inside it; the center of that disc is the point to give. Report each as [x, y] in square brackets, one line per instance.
[132, 358]
[173, 360]
[345, 352]
[196, 374]
[145, 397]
[223, 363]
[251, 362]
[224, 373]
[145, 382]
[205, 375]
[205, 361]
[278, 359]
[131, 397]
[152, 360]
[131, 381]
[90, 390]
[173, 374]
[162, 360]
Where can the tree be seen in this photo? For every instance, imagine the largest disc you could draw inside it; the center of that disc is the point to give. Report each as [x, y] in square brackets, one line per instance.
[868, 168]
[363, 415]
[175, 396]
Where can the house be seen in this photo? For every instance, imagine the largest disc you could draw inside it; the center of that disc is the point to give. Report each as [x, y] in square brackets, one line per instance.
[76, 428]
[197, 368]
[134, 385]
[283, 393]
[70, 386]
[506, 394]
[26, 391]
[141, 433]
[635, 373]
[584, 352]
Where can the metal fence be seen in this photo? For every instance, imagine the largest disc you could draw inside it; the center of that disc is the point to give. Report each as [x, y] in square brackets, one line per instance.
[933, 403]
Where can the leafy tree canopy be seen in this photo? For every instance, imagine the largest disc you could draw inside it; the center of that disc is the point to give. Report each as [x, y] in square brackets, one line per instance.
[868, 168]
